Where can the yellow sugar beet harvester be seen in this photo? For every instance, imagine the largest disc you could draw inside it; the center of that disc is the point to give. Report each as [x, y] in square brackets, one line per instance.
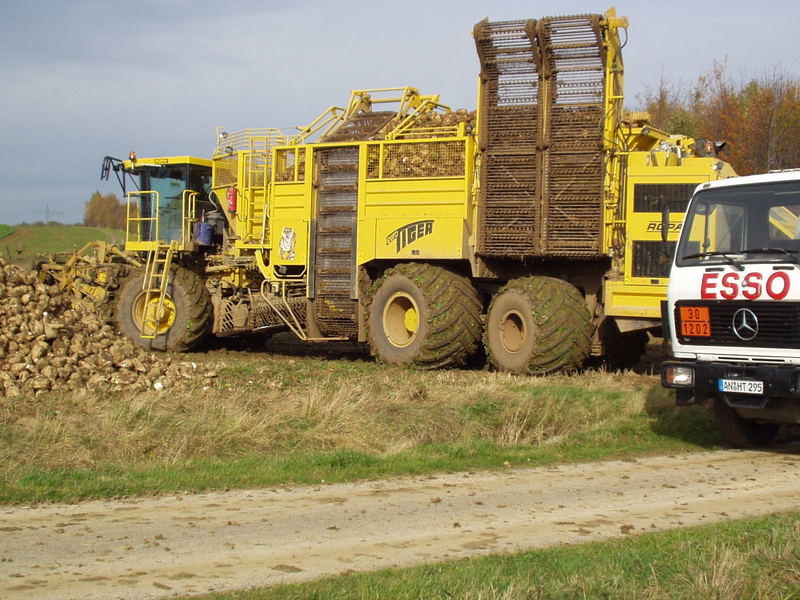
[537, 224]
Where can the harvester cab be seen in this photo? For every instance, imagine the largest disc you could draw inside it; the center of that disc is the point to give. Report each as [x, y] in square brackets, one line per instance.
[165, 219]
[166, 199]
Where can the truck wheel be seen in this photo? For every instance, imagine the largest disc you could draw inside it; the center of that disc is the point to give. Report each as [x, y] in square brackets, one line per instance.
[538, 325]
[739, 432]
[621, 350]
[425, 316]
[186, 317]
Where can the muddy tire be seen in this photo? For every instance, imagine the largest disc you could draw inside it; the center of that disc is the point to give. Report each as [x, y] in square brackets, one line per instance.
[186, 318]
[742, 433]
[425, 316]
[538, 325]
[621, 350]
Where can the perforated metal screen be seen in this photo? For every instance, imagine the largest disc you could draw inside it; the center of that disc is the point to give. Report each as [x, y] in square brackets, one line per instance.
[542, 110]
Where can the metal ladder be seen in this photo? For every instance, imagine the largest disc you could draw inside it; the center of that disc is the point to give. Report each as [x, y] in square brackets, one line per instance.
[154, 285]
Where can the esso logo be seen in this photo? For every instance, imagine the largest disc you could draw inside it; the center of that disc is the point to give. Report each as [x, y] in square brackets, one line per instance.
[751, 286]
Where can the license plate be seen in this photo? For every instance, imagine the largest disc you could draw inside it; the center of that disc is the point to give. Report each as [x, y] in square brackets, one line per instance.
[695, 321]
[741, 386]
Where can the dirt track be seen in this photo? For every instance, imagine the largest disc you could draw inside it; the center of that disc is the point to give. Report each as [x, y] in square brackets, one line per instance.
[148, 548]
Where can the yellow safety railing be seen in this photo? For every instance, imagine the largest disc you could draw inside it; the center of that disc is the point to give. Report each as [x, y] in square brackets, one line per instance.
[137, 224]
[328, 120]
[410, 105]
[144, 232]
[248, 140]
[188, 204]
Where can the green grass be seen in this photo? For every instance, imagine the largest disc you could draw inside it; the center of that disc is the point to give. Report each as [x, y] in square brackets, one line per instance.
[5, 231]
[273, 419]
[108, 480]
[754, 559]
[33, 240]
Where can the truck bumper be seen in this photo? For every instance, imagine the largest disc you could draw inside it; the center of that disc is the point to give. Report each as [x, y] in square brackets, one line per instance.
[696, 382]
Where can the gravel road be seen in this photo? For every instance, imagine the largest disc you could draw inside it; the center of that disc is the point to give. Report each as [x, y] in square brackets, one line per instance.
[195, 543]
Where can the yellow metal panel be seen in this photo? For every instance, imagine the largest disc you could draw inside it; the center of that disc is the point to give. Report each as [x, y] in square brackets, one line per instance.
[290, 200]
[416, 197]
[153, 161]
[290, 215]
[290, 239]
[413, 238]
[629, 300]
[365, 250]
[640, 226]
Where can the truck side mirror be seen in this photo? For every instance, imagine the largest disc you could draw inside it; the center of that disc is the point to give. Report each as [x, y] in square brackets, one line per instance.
[665, 229]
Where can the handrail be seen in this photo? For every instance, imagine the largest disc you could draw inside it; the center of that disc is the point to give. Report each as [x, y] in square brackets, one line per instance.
[411, 104]
[327, 119]
[139, 221]
[248, 140]
[188, 206]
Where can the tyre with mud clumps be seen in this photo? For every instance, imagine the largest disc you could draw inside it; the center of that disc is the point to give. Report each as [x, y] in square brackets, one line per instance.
[424, 315]
[185, 318]
[538, 325]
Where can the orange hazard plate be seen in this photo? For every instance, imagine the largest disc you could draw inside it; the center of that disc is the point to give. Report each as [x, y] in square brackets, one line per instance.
[695, 321]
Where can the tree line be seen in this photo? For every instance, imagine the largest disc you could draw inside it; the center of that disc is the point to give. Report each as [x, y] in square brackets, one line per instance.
[104, 210]
[758, 118]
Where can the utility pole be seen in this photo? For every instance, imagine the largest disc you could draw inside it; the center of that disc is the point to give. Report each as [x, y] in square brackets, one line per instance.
[48, 213]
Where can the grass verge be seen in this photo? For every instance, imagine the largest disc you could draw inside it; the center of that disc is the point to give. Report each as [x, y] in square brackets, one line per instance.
[26, 241]
[270, 420]
[756, 558]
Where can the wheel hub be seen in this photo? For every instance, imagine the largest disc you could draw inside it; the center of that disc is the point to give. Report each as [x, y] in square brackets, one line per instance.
[149, 313]
[401, 319]
[512, 331]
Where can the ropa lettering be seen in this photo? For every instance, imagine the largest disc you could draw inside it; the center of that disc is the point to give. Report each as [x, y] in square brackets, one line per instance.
[751, 286]
[658, 226]
[407, 234]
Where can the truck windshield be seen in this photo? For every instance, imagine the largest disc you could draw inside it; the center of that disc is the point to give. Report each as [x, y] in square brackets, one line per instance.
[740, 224]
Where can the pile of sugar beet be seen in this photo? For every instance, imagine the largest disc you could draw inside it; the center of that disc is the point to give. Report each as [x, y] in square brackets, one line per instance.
[47, 344]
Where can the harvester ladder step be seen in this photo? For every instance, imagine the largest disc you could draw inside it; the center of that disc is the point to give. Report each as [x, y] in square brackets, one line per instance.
[154, 286]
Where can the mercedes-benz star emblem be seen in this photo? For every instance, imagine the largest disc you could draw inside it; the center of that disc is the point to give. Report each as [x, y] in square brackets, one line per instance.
[745, 324]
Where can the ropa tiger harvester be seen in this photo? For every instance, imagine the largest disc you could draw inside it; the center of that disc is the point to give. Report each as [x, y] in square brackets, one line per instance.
[537, 224]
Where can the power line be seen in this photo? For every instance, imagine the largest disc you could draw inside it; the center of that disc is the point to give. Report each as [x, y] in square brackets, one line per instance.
[48, 212]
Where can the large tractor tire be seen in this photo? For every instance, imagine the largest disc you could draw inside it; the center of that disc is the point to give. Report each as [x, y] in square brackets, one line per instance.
[621, 350]
[185, 319]
[538, 325]
[742, 433]
[425, 316]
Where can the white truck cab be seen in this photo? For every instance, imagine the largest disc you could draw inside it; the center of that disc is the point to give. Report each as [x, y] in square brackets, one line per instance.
[733, 305]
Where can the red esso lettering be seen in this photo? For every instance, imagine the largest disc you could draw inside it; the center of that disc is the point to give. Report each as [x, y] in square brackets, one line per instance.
[751, 286]
[707, 286]
[777, 286]
[730, 286]
[773, 285]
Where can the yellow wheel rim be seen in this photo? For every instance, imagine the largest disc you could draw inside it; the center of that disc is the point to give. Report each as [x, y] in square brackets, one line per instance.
[512, 331]
[401, 319]
[145, 314]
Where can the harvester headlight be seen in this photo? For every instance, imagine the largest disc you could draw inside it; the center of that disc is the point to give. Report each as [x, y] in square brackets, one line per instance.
[679, 376]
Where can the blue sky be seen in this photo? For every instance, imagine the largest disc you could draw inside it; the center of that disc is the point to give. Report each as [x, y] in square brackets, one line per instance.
[86, 78]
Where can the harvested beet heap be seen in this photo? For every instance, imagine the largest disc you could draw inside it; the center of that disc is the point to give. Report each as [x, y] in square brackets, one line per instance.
[46, 344]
